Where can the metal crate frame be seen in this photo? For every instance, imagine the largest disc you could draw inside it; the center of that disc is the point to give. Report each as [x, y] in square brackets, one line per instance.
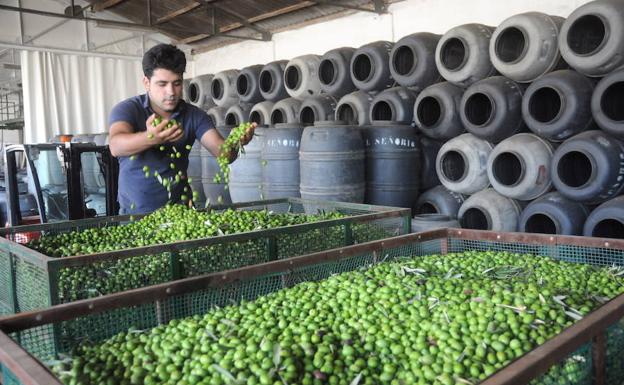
[49, 268]
[591, 330]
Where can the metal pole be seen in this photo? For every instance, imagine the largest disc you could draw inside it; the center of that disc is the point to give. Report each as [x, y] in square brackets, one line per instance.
[69, 51]
[116, 41]
[21, 22]
[86, 26]
[149, 12]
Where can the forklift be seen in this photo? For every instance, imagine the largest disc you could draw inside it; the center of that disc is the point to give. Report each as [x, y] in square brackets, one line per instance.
[67, 180]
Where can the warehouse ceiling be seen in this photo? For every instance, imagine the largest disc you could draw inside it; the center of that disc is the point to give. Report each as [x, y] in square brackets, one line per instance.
[195, 25]
[206, 24]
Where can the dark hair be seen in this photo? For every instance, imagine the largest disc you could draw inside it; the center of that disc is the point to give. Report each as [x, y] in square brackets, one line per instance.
[164, 56]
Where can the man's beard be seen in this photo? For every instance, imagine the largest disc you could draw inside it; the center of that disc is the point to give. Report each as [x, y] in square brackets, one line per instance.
[163, 106]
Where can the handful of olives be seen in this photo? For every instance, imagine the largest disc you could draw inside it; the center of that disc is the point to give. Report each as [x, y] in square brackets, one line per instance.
[232, 144]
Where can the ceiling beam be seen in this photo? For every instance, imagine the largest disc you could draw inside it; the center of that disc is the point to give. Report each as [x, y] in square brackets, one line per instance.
[338, 4]
[101, 22]
[263, 16]
[266, 35]
[193, 39]
[177, 13]
[380, 6]
[268, 15]
[102, 5]
[122, 40]
[10, 66]
[68, 51]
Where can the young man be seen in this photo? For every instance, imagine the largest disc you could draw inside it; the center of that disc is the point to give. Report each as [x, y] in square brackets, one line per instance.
[143, 147]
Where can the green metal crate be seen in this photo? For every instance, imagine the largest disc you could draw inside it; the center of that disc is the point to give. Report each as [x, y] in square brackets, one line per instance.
[30, 280]
[589, 352]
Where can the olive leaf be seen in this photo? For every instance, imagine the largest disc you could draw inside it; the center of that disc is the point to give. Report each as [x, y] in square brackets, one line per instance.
[357, 379]
[573, 315]
[225, 373]
[277, 354]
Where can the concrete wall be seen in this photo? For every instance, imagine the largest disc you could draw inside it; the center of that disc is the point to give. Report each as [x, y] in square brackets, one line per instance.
[354, 30]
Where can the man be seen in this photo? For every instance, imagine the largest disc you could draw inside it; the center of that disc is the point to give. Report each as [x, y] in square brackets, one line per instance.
[147, 147]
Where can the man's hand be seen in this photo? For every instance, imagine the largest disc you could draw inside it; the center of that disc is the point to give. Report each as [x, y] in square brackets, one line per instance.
[159, 133]
[249, 133]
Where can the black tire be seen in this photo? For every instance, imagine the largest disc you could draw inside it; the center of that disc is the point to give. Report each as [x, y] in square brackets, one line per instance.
[199, 92]
[316, 109]
[301, 77]
[552, 213]
[436, 111]
[394, 104]
[462, 55]
[519, 166]
[557, 105]
[429, 152]
[491, 109]
[237, 114]
[592, 38]
[353, 108]
[261, 113]
[370, 66]
[525, 46]
[335, 72]
[185, 90]
[286, 111]
[223, 88]
[461, 164]
[272, 81]
[217, 115]
[248, 84]
[606, 220]
[586, 168]
[607, 104]
[439, 200]
[489, 210]
[427, 222]
[412, 60]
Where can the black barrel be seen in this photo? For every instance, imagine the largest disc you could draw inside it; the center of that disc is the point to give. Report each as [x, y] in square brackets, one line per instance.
[195, 173]
[332, 162]
[392, 164]
[246, 172]
[214, 193]
[280, 161]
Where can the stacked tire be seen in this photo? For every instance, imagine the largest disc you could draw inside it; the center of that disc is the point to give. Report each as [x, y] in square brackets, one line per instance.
[515, 127]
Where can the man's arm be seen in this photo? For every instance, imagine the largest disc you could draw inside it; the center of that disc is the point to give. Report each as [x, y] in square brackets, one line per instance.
[212, 140]
[123, 141]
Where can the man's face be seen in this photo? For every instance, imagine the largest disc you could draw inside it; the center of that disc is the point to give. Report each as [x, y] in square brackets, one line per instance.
[164, 89]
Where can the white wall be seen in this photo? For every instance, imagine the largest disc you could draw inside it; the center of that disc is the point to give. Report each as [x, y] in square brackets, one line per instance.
[354, 30]
[11, 136]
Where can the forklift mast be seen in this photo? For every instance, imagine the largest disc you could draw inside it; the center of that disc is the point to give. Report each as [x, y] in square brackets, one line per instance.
[56, 178]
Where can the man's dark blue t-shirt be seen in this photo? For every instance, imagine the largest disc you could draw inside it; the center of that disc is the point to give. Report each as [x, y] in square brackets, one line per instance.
[138, 194]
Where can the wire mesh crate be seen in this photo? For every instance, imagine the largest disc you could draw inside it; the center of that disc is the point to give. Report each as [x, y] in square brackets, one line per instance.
[588, 352]
[31, 280]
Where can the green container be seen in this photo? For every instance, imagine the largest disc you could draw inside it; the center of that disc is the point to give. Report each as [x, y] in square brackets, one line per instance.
[576, 356]
[30, 280]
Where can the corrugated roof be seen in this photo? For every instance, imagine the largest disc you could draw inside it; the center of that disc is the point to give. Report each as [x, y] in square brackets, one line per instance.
[208, 24]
